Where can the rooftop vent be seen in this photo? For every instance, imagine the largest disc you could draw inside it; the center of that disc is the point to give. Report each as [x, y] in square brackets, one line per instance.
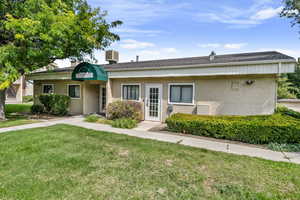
[112, 56]
[212, 56]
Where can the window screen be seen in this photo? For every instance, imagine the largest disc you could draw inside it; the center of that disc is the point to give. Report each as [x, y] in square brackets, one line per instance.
[74, 91]
[48, 89]
[131, 92]
[181, 93]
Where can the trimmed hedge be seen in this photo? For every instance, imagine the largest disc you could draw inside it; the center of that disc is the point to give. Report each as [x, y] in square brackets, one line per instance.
[265, 129]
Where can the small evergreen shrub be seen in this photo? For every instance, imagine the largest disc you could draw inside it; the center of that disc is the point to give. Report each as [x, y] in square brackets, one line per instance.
[47, 101]
[55, 104]
[124, 123]
[125, 109]
[37, 109]
[266, 129]
[60, 105]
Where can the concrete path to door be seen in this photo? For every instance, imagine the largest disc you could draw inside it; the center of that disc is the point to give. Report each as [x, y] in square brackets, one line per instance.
[179, 139]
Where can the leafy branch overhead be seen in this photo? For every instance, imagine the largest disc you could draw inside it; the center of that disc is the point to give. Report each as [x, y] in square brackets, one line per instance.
[34, 33]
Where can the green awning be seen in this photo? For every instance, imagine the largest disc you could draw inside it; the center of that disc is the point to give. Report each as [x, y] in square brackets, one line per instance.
[86, 71]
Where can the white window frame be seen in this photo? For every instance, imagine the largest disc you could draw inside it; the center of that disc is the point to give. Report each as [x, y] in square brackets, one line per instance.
[176, 103]
[140, 91]
[68, 87]
[48, 84]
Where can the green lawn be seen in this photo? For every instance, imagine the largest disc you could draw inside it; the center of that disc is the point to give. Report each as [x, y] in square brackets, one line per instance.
[16, 120]
[65, 162]
[15, 117]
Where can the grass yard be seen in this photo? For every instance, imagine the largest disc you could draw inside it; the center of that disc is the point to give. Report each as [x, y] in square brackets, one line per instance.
[16, 120]
[15, 117]
[65, 162]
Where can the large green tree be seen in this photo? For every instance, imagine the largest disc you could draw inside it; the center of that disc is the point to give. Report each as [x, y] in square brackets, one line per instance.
[292, 10]
[34, 33]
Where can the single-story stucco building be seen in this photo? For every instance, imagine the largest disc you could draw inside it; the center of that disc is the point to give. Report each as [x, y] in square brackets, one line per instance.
[235, 84]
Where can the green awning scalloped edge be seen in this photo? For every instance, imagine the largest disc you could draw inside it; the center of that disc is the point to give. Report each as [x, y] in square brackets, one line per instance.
[86, 71]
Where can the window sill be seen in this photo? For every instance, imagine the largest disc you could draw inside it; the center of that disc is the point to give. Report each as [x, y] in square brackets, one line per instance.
[182, 104]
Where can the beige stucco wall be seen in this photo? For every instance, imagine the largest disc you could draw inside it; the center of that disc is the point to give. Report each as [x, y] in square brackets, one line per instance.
[227, 95]
[61, 87]
[89, 94]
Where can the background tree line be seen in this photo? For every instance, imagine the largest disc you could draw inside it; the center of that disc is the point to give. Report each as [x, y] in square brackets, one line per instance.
[289, 85]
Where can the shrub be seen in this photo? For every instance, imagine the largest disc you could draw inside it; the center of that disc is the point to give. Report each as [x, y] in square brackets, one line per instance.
[37, 109]
[27, 99]
[91, 118]
[124, 123]
[47, 101]
[285, 111]
[60, 105]
[251, 129]
[124, 109]
[284, 147]
[55, 104]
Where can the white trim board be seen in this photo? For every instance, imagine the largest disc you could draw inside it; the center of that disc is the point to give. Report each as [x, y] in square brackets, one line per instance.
[207, 71]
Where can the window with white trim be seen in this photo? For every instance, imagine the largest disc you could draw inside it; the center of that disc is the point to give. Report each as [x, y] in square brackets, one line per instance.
[74, 91]
[48, 89]
[131, 92]
[181, 93]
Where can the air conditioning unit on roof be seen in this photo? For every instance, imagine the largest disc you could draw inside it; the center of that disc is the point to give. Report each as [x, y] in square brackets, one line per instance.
[112, 56]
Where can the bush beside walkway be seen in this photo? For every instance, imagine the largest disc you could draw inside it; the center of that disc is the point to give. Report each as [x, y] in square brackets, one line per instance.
[275, 128]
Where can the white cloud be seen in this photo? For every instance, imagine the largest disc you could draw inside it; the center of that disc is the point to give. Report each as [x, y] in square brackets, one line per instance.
[134, 44]
[266, 13]
[170, 50]
[139, 12]
[147, 53]
[224, 46]
[135, 31]
[239, 17]
[210, 45]
[234, 45]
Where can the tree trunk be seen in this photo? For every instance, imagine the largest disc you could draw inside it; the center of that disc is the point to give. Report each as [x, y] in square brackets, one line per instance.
[2, 104]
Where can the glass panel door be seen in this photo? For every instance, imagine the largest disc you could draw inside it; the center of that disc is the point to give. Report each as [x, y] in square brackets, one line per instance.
[102, 99]
[153, 102]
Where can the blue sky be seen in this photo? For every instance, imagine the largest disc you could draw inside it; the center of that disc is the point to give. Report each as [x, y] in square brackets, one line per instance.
[157, 29]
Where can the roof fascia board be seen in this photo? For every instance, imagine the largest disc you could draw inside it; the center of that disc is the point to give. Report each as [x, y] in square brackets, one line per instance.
[207, 65]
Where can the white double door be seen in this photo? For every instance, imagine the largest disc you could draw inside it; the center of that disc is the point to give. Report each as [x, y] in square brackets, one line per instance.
[153, 102]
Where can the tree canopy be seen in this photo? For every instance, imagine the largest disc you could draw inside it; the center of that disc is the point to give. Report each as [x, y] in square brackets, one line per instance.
[34, 33]
[291, 10]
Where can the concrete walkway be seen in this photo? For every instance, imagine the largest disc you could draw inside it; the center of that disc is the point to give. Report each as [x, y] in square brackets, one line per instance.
[184, 140]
